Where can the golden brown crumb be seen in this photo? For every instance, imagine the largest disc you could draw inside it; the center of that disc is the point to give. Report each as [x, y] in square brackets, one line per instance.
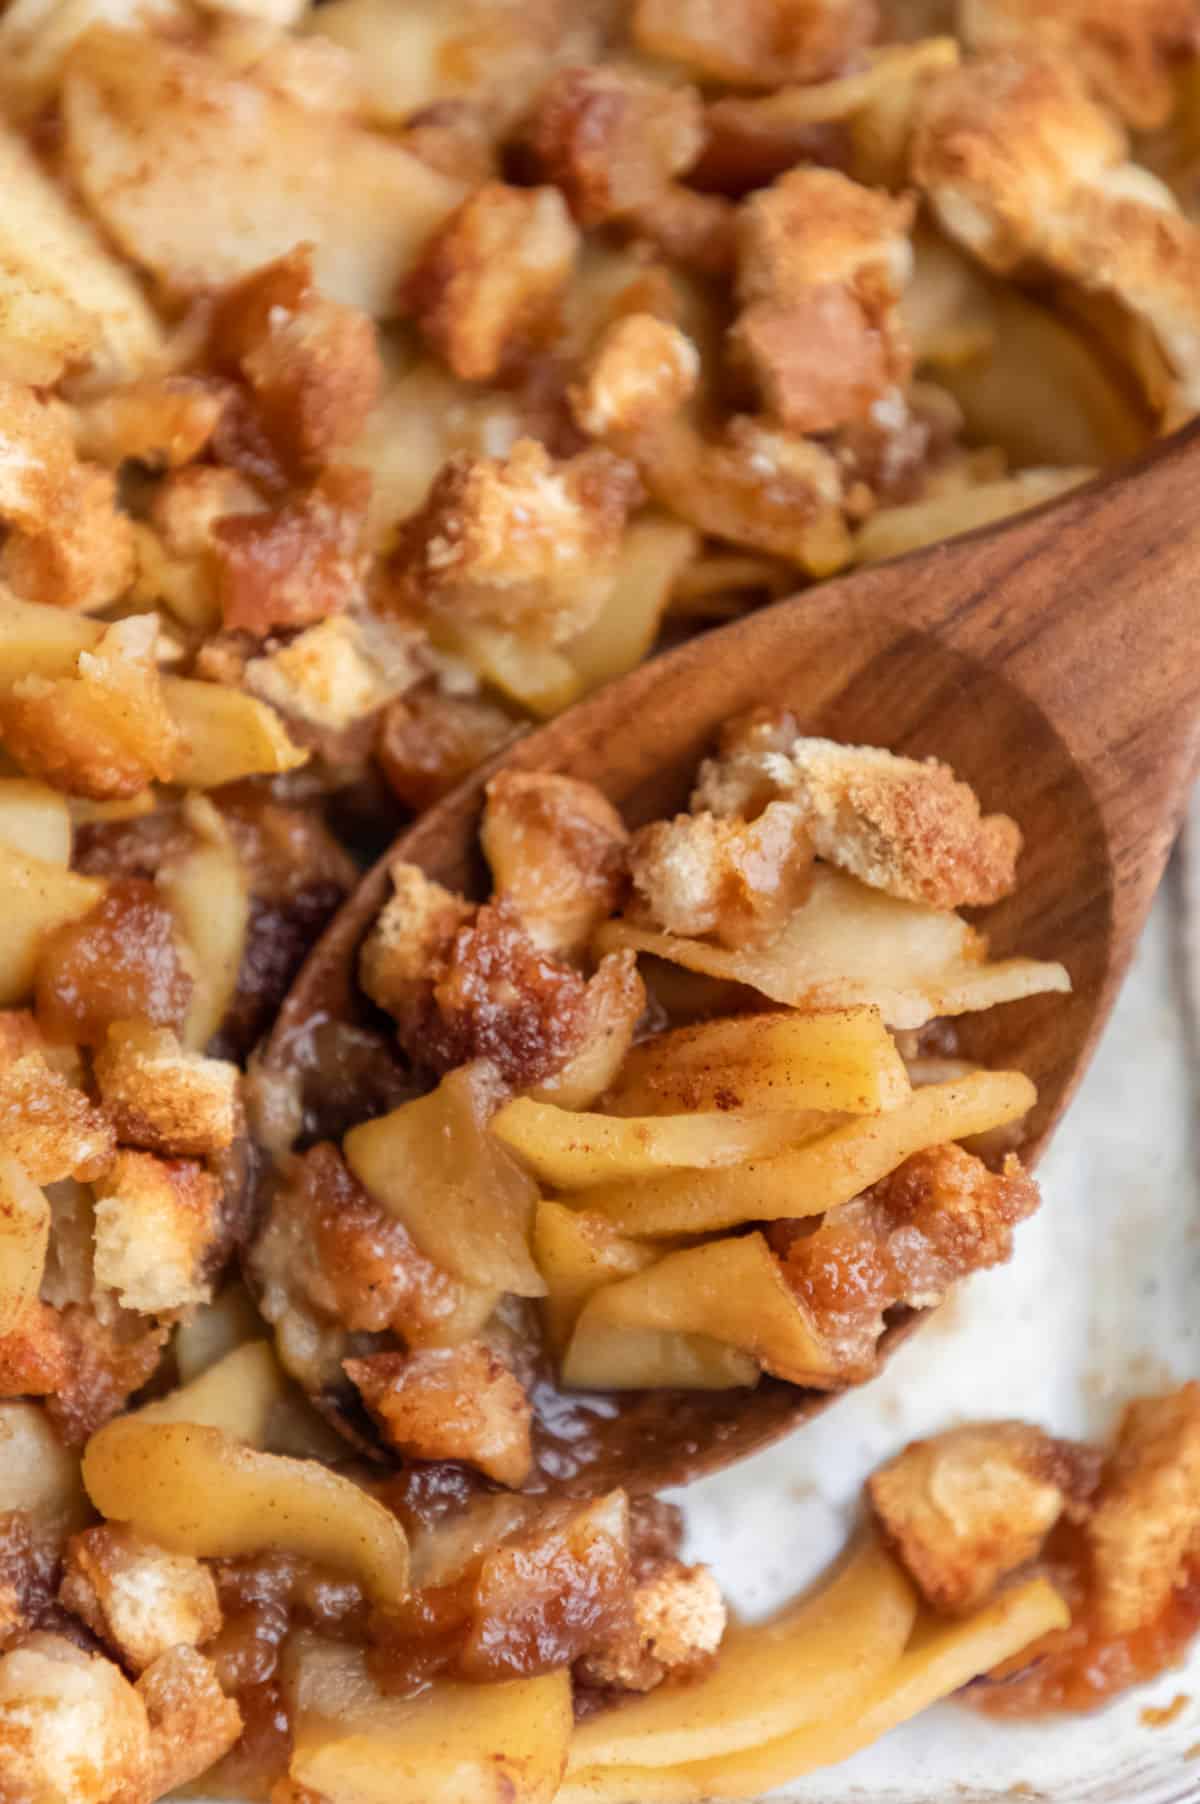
[1025, 169]
[48, 1126]
[312, 364]
[37, 456]
[410, 939]
[642, 370]
[34, 1358]
[500, 998]
[966, 1508]
[814, 226]
[528, 542]
[84, 558]
[158, 1227]
[612, 138]
[105, 732]
[737, 880]
[904, 826]
[451, 1403]
[489, 276]
[192, 1723]
[161, 1096]
[428, 742]
[1124, 240]
[338, 672]
[937, 1217]
[950, 1215]
[678, 1623]
[556, 848]
[465, 983]
[1148, 1511]
[71, 1727]
[755, 43]
[296, 563]
[822, 262]
[138, 1598]
[1125, 49]
[1001, 143]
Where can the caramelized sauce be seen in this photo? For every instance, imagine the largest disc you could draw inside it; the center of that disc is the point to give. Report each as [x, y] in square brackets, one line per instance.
[1081, 1667]
[262, 1600]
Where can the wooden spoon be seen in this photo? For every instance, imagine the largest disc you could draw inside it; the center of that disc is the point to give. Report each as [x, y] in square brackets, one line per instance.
[1054, 662]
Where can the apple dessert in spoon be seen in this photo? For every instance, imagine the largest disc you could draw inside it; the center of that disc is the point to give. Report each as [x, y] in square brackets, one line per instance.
[611, 1185]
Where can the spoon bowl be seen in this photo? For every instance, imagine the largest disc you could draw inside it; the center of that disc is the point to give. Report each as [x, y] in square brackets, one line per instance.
[1053, 662]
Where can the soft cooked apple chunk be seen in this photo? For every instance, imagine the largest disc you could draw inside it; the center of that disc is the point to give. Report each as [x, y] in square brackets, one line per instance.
[158, 137]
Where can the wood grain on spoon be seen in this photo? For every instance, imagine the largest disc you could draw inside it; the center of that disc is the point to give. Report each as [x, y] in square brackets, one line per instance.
[1054, 662]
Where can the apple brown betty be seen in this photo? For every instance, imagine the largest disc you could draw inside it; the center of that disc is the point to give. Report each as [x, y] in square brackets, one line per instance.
[377, 377]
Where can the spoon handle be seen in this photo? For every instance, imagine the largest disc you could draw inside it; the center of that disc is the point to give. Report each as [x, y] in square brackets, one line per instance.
[1092, 608]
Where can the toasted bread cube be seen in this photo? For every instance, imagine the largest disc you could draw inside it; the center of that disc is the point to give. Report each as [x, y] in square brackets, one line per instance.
[556, 848]
[967, 1507]
[138, 1598]
[164, 1098]
[822, 262]
[157, 1223]
[458, 1403]
[902, 825]
[412, 933]
[1148, 1511]
[48, 1126]
[489, 276]
[37, 456]
[312, 363]
[1002, 142]
[104, 732]
[526, 543]
[72, 1728]
[612, 139]
[1023, 167]
[83, 559]
[738, 880]
[753, 483]
[192, 1722]
[337, 672]
[816, 226]
[297, 563]
[642, 370]
[34, 1357]
[1124, 48]
[678, 1623]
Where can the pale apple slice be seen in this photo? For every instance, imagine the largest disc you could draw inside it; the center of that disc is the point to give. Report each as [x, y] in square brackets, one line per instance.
[201, 176]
